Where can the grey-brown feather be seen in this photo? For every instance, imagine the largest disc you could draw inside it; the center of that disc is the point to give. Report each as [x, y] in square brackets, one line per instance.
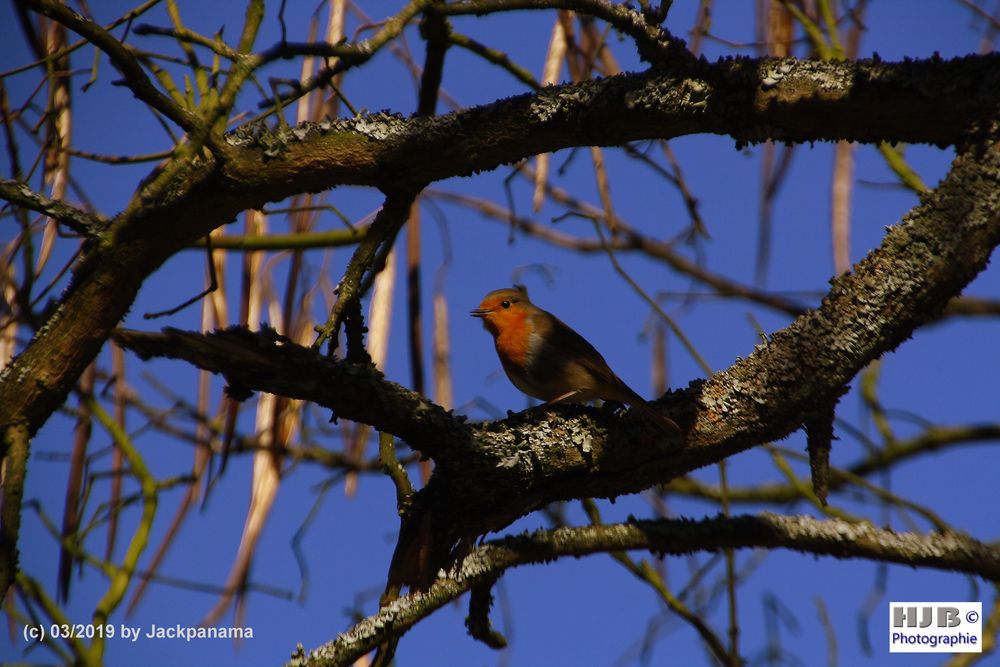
[590, 374]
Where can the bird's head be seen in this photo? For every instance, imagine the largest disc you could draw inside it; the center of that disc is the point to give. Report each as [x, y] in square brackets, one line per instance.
[504, 308]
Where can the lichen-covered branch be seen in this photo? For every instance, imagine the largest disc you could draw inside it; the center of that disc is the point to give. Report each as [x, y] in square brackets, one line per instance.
[20, 194]
[268, 362]
[833, 537]
[819, 442]
[748, 99]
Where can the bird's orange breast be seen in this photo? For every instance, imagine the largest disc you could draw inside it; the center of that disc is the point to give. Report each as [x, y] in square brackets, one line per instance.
[513, 336]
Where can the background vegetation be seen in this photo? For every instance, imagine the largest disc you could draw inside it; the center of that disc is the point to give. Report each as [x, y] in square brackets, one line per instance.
[795, 239]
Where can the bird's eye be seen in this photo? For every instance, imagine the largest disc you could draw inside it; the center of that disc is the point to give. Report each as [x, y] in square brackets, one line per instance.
[505, 304]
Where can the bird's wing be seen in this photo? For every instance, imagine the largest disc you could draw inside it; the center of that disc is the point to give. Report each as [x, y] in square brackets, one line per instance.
[578, 348]
[575, 347]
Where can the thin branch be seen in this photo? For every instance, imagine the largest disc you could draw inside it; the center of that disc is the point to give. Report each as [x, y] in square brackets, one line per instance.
[654, 43]
[122, 576]
[381, 235]
[645, 572]
[122, 57]
[394, 470]
[907, 176]
[627, 239]
[347, 55]
[300, 241]
[934, 439]
[185, 35]
[127, 17]
[20, 194]
[496, 57]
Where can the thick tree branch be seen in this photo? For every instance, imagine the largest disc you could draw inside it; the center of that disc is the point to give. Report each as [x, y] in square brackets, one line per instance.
[837, 538]
[269, 362]
[15, 441]
[927, 101]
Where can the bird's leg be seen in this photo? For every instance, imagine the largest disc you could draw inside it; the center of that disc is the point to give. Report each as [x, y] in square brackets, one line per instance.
[559, 399]
[616, 408]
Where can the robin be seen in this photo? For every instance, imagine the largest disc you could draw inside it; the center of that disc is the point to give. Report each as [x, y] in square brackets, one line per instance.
[546, 359]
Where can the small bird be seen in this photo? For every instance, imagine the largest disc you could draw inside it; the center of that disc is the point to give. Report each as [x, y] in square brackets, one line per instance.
[546, 359]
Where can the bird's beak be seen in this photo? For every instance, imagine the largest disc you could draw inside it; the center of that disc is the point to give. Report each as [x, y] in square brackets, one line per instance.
[480, 312]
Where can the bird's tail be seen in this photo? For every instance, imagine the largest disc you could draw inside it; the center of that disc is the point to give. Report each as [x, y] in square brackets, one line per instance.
[625, 394]
[666, 423]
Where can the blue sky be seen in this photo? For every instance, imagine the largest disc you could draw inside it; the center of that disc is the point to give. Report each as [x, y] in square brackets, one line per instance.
[588, 611]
